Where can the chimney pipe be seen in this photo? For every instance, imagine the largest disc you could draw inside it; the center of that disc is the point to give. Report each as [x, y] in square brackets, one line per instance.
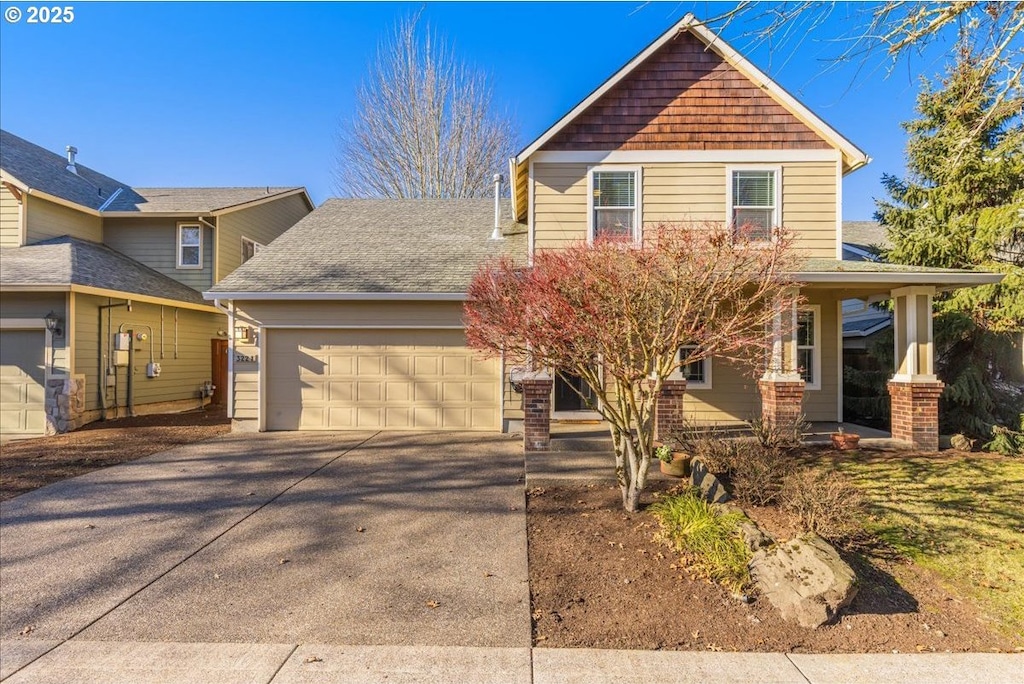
[496, 235]
[72, 151]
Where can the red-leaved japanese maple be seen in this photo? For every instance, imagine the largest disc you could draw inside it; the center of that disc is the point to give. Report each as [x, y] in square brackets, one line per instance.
[616, 315]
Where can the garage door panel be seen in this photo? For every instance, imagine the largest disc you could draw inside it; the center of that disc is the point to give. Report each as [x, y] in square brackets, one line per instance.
[379, 379]
[22, 374]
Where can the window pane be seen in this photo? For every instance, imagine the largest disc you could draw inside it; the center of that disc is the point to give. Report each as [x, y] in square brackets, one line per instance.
[754, 223]
[189, 256]
[248, 250]
[805, 357]
[805, 329]
[614, 189]
[613, 222]
[190, 236]
[694, 372]
[753, 188]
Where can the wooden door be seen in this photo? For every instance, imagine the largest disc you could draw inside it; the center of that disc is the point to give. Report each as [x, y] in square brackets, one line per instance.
[219, 371]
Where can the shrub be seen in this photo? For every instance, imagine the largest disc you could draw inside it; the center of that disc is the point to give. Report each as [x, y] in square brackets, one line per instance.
[758, 474]
[826, 502]
[708, 443]
[708, 539]
[778, 434]
[1006, 441]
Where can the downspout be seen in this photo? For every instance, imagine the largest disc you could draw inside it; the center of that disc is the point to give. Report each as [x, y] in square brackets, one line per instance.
[105, 357]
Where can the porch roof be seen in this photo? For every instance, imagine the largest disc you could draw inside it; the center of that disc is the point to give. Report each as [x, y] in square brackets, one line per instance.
[861, 279]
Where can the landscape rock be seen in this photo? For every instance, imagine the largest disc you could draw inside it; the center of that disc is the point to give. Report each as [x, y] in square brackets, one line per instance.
[805, 579]
[703, 479]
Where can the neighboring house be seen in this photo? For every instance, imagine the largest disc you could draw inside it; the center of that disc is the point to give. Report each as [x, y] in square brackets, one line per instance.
[369, 334]
[863, 241]
[84, 257]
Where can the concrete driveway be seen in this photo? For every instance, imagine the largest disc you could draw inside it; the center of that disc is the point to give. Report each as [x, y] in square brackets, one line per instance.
[341, 538]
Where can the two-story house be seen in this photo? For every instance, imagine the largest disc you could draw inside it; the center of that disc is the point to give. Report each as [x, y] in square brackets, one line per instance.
[100, 307]
[370, 334]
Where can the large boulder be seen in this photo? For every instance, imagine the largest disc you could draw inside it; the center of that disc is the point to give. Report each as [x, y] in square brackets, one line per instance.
[704, 480]
[805, 579]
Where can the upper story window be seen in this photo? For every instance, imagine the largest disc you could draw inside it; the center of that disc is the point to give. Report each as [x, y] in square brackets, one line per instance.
[250, 248]
[696, 373]
[754, 201]
[808, 346]
[614, 203]
[190, 245]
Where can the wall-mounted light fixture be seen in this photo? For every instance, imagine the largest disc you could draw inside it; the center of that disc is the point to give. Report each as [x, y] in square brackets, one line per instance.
[53, 321]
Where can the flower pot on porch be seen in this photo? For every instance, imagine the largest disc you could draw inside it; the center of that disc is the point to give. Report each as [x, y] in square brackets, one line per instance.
[845, 441]
[679, 466]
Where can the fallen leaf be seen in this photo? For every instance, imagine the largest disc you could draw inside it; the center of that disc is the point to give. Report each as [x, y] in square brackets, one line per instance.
[27, 630]
[90, 527]
[432, 604]
[488, 574]
[284, 560]
[313, 659]
[360, 529]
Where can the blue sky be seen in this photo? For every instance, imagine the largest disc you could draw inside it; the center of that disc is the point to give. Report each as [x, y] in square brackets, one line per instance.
[253, 93]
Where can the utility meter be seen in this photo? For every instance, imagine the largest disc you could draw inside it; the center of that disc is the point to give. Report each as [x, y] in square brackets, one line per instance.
[152, 370]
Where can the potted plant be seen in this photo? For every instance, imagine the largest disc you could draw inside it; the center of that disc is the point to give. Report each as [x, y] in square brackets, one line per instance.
[845, 441]
[674, 463]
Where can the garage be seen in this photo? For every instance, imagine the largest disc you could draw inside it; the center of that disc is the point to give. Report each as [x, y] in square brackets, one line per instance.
[22, 377]
[409, 379]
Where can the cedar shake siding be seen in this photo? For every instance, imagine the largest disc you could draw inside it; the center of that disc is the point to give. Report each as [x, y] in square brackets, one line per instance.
[685, 97]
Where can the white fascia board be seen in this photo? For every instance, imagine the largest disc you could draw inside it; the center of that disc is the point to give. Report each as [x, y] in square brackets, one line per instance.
[670, 156]
[610, 83]
[918, 278]
[854, 155]
[341, 296]
[870, 256]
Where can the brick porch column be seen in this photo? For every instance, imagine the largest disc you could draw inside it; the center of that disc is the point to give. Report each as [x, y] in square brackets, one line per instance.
[781, 400]
[668, 412]
[915, 413]
[537, 412]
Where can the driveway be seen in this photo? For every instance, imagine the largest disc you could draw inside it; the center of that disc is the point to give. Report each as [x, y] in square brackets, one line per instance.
[363, 539]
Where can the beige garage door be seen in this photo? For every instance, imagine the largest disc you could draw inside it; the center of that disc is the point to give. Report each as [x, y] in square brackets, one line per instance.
[378, 379]
[22, 355]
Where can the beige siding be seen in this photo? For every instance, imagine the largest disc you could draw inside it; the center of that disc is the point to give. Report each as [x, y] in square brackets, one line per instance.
[10, 219]
[154, 242]
[327, 313]
[182, 350]
[261, 223]
[47, 220]
[559, 204]
[689, 191]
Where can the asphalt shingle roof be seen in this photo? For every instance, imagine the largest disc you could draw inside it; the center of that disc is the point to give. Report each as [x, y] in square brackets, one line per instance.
[70, 261]
[367, 246]
[41, 169]
[195, 200]
[868, 235]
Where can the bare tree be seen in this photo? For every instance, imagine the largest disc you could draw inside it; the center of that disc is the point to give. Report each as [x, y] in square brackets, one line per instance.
[425, 124]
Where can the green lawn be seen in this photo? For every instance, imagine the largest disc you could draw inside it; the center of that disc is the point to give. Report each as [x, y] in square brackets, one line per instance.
[962, 517]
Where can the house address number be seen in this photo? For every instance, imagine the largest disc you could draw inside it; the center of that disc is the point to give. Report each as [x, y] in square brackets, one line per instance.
[245, 358]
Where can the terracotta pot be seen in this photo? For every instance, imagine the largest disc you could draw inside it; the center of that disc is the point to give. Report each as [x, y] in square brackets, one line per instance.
[845, 441]
[679, 467]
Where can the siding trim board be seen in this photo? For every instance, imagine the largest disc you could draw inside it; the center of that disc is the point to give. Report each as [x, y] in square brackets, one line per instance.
[678, 156]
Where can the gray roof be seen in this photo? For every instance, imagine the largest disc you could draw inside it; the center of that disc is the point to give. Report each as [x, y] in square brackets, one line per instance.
[192, 200]
[867, 235]
[377, 246]
[69, 261]
[41, 169]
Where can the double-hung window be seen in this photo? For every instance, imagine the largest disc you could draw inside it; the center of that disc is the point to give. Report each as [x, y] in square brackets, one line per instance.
[754, 202]
[696, 373]
[808, 347]
[614, 203]
[190, 245]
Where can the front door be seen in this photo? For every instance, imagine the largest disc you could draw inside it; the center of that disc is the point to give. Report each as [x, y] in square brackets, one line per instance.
[219, 371]
[568, 389]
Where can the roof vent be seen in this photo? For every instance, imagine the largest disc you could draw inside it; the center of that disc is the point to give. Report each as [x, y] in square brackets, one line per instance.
[72, 151]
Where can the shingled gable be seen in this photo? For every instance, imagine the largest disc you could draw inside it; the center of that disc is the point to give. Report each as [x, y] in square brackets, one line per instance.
[688, 90]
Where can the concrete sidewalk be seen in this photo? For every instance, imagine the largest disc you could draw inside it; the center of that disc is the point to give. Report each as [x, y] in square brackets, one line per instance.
[93, 662]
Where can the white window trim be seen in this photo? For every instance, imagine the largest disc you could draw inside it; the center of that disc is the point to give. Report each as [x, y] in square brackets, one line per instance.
[732, 168]
[706, 385]
[815, 348]
[638, 228]
[189, 224]
[257, 246]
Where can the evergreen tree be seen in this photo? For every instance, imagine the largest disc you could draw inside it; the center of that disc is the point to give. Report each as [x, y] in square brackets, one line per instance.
[962, 206]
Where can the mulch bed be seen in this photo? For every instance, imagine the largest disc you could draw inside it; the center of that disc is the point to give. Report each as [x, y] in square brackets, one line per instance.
[599, 580]
[32, 463]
